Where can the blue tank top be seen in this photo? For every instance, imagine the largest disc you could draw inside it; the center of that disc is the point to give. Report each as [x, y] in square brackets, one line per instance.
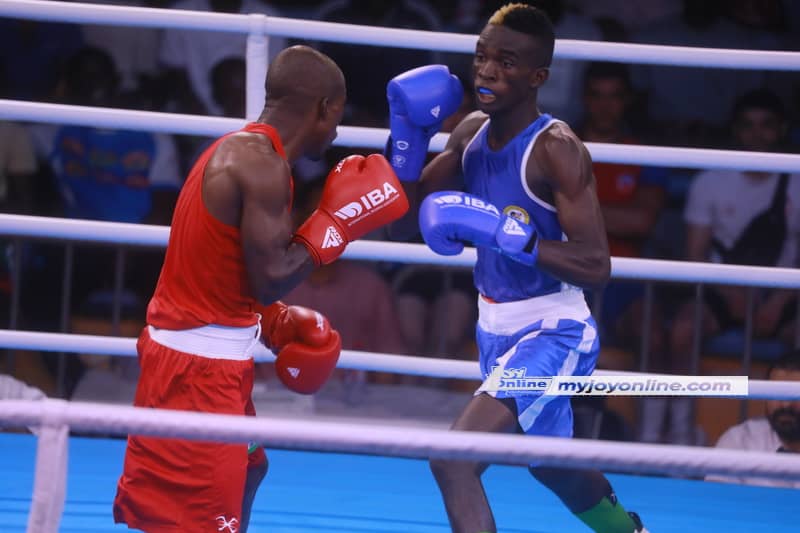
[499, 177]
[104, 174]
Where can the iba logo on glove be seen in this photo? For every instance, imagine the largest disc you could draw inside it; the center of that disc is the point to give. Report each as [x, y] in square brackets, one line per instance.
[457, 199]
[374, 199]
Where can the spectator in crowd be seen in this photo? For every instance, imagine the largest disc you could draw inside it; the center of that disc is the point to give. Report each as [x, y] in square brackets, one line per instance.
[18, 165]
[228, 81]
[134, 49]
[190, 55]
[116, 176]
[374, 66]
[777, 431]
[563, 88]
[631, 198]
[690, 106]
[741, 218]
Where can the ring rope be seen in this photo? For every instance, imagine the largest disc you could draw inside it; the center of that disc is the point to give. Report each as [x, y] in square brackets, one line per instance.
[400, 441]
[394, 37]
[621, 267]
[358, 136]
[55, 416]
[351, 359]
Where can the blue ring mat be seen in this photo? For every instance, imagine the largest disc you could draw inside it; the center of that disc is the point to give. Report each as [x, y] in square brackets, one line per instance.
[307, 492]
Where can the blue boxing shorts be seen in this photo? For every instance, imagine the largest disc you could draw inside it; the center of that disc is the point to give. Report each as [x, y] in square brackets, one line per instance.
[543, 336]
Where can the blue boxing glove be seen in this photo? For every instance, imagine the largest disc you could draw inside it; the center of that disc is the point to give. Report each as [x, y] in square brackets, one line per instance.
[419, 101]
[449, 219]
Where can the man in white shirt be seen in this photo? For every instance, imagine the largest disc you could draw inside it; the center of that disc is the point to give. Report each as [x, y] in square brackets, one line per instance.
[778, 431]
[742, 218]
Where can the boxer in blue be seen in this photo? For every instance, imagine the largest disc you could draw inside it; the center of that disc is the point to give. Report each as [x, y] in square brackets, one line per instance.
[529, 206]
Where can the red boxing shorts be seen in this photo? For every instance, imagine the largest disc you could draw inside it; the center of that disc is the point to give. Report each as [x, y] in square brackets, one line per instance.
[171, 485]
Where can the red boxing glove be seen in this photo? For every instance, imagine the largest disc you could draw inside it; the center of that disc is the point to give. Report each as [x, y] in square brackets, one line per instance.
[306, 346]
[360, 195]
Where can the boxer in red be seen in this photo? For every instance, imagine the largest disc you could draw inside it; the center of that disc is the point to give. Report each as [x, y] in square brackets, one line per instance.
[232, 254]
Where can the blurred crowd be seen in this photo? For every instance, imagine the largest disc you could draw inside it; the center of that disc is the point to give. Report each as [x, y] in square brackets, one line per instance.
[718, 215]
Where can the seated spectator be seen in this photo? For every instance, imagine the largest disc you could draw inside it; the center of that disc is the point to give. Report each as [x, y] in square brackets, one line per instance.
[631, 198]
[189, 55]
[740, 218]
[134, 49]
[116, 176]
[228, 82]
[18, 168]
[18, 165]
[369, 68]
[563, 88]
[104, 174]
[690, 106]
[777, 431]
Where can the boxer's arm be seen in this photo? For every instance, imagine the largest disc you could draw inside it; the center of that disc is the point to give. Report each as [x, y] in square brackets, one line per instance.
[582, 260]
[443, 172]
[275, 265]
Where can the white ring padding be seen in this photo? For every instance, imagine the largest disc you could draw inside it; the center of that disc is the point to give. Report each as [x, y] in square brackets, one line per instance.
[50, 479]
[359, 136]
[393, 441]
[621, 267]
[358, 360]
[382, 36]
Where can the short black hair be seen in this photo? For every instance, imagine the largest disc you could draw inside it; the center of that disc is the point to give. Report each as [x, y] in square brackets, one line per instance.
[529, 20]
[788, 361]
[604, 70]
[762, 99]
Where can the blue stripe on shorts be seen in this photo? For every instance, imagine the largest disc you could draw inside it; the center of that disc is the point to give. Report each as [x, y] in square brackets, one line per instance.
[545, 348]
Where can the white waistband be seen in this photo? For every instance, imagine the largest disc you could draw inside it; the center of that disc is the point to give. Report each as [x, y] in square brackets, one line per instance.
[508, 318]
[215, 342]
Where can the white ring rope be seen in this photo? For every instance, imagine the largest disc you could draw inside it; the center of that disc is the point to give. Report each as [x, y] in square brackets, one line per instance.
[353, 359]
[401, 441]
[621, 267]
[357, 136]
[382, 36]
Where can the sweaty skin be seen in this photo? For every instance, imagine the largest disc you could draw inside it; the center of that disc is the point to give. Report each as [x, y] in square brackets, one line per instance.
[248, 184]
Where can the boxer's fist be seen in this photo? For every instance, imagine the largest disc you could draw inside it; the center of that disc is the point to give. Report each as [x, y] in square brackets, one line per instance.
[306, 347]
[448, 219]
[361, 194]
[419, 101]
